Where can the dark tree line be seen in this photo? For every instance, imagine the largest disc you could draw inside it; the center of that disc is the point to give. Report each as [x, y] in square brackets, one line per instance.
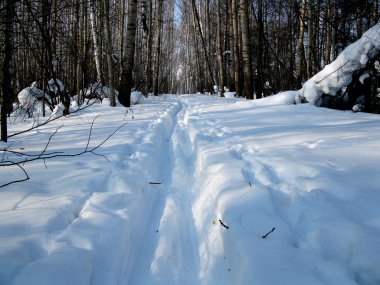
[255, 48]
[261, 47]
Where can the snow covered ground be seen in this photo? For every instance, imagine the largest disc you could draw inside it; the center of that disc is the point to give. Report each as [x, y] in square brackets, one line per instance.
[192, 185]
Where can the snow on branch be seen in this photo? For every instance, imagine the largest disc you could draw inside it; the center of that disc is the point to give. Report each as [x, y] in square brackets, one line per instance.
[337, 75]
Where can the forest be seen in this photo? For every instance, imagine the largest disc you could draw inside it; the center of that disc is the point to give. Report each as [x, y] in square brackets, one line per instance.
[194, 142]
[254, 48]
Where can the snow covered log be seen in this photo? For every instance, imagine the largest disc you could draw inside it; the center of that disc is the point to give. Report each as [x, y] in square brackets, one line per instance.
[338, 84]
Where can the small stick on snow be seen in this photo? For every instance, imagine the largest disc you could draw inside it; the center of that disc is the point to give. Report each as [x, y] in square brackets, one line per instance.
[267, 234]
[223, 224]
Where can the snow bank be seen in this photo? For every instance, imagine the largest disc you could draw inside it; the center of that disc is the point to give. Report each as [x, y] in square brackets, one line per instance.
[314, 181]
[282, 98]
[338, 74]
[229, 94]
[181, 171]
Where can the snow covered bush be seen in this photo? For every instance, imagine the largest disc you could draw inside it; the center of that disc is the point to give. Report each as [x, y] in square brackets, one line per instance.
[349, 67]
[29, 95]
[137, 97]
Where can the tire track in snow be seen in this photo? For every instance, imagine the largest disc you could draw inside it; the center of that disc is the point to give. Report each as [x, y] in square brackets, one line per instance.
[169, 254]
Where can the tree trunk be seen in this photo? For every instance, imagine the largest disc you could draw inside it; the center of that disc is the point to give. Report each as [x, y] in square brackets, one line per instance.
[375, 11]
[95, 39]
[81, 61]
[236, 54]
[195, 11]
[246, 53]
[260, 54]
[148, 54]
[335, 32]
[129, 56]
[121, 35]
[300, 48]
[200, 74]
[107, 32]
[328, 34]
[7, 96]
[157, 53]
[310, 41]
[220, 49]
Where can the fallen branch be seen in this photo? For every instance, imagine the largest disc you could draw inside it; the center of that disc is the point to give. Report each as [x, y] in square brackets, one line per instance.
[267, 234]
[16, 181]
[227, 227]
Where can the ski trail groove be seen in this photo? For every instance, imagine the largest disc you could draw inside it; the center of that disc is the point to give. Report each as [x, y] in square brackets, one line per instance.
[169, 254]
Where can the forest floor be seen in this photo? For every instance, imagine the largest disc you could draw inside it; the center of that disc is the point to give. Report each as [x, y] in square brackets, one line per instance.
[195, 189]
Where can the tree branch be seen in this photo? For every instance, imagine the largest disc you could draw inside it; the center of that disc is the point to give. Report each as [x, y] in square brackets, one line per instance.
[49, 155]
[50, 119]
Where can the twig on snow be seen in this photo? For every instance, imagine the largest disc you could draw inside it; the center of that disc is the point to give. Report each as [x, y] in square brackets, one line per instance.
[224, 225]
[267, 234]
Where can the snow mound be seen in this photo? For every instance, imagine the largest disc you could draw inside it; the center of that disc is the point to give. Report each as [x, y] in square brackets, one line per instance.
[28, 96]
[282, 98]
[229, 94]
[338, 74]
[137, 98]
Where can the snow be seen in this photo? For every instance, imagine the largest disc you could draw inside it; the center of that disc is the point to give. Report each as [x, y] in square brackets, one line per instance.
[151, 211]
[52, 85]
[338, 74]
[137, 97]
[229, 94]
[29, 95]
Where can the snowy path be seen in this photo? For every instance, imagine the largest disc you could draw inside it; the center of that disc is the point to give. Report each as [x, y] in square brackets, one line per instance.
[168, 253]
[181, 167]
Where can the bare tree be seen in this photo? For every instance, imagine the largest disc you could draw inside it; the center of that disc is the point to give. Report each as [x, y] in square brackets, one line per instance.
[300, 47]
[129, 55]
[157, 51]
[107, 32]
[246, 52]
[7, 97]
[220, 50]
[236, 53]
[97, 49]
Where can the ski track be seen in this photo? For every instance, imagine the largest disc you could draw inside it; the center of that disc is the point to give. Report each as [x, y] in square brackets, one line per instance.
[169, 248]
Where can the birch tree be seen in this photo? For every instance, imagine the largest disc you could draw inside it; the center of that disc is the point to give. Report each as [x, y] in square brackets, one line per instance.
[97, 48]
